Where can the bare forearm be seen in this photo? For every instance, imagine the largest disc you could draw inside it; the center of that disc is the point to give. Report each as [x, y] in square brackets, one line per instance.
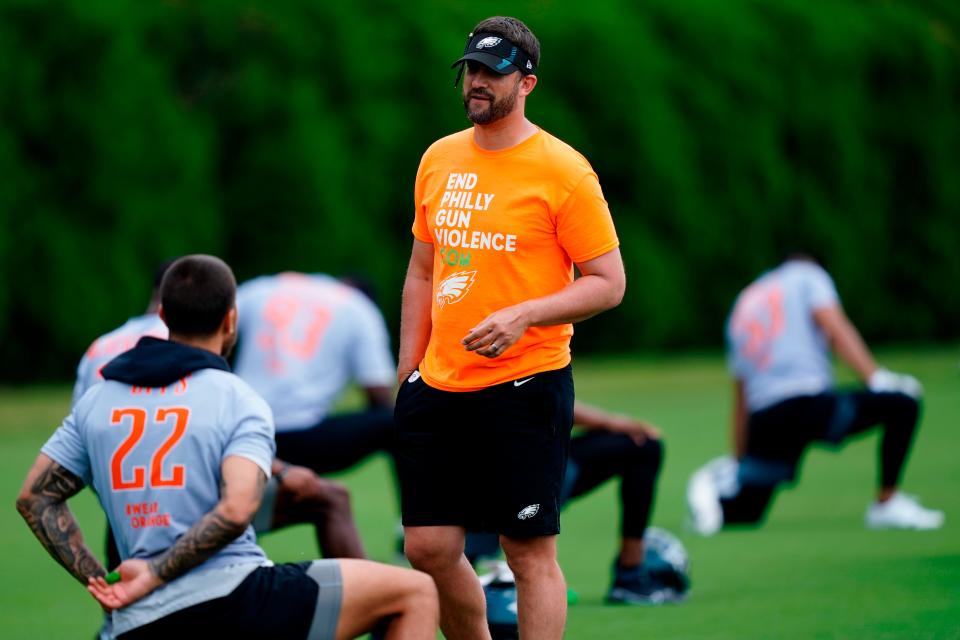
[853, 350]
[584, 298]
[846, 340]
[204, 539]
[58, 532]
[42, 503]
[415, 323]
[241, 492]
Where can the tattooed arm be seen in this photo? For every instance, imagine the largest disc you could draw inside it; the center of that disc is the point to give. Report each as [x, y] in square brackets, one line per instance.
[43, 504]
[240, 494]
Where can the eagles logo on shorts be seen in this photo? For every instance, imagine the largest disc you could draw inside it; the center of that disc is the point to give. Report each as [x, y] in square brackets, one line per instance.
[528, 512]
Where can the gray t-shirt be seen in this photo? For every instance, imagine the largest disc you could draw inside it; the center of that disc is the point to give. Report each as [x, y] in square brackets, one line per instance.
[154, 456]
[303, 339]
[774, 344]
[110, 345]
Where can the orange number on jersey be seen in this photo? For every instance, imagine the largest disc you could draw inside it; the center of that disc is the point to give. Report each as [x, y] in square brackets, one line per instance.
[139, 421]
[296, 327]
[759, 318]
[182, 414]
[139, 418]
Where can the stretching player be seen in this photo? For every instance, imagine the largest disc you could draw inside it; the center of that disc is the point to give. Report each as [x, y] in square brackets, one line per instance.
[779, 334]
[615, 446]
[303, 339]
[294, 495]
[123, 338]
[179, 450]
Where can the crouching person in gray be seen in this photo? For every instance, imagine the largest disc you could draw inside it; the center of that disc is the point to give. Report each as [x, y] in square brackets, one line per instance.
[178, 450]
[781, 332]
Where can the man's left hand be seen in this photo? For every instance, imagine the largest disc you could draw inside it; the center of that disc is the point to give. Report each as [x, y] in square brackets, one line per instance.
[497, 333]
[137, 580]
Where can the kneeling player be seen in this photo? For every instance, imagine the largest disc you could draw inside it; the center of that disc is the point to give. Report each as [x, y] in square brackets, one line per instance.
[780, 334]
[293, 495]
[179, 450]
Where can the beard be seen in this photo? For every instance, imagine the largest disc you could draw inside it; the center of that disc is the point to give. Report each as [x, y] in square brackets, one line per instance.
[494, 110]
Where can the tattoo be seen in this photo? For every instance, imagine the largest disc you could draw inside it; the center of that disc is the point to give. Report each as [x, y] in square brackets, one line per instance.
[51, 521]
[57, 483]
[209, 535]
[212, 533]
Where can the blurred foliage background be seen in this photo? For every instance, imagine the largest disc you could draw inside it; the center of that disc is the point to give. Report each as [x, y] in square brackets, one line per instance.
[287, 135]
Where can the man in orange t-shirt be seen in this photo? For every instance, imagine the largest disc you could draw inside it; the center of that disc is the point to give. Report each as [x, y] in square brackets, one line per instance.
[504, 211]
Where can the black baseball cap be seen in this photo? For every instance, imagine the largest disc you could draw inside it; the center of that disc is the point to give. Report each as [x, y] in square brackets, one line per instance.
[495, 52]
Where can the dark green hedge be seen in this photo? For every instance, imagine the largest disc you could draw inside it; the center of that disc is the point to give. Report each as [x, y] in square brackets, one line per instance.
[286, 136]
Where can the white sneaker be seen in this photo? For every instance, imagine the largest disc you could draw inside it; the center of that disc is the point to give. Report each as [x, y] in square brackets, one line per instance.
[724, 471]
[703, 501]
[902, 512]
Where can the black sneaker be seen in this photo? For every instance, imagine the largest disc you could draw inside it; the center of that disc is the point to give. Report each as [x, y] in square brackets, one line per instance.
[638, 586]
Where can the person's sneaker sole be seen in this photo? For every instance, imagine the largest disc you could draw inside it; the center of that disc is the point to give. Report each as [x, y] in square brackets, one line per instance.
[912, 526]
[619, 595]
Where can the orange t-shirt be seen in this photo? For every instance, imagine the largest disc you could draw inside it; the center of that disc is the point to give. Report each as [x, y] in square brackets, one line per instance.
[507, 226]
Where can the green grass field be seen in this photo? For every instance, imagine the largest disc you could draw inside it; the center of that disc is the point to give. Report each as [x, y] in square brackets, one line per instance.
[812, 572]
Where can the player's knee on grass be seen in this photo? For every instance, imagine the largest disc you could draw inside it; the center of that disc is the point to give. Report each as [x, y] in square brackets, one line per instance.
[749, 506]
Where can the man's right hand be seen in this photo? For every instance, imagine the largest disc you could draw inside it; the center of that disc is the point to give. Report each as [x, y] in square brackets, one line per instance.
[404, 373]
[137, 580]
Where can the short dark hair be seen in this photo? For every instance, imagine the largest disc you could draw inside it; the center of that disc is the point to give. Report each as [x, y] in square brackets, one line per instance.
[196, 293]
[514, 31]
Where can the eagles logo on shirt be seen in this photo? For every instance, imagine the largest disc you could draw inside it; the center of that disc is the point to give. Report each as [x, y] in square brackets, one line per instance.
[453, 288]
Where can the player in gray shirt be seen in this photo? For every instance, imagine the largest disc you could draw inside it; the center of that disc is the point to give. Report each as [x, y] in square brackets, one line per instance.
[303, 339]
[779, 337]
[178, 450]
[293, 495]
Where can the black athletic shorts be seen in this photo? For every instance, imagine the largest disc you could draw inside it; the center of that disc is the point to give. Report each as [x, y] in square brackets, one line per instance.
[283, 601]
[488, 460]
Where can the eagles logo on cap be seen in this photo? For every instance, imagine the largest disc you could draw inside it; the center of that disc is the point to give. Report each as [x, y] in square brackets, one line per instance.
[496, 53]
[490, 41]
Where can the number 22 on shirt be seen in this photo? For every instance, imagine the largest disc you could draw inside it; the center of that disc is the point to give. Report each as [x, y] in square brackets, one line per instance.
[137, 418]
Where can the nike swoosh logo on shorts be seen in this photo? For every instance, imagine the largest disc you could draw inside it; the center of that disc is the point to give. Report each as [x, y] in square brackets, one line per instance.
[517, 383]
